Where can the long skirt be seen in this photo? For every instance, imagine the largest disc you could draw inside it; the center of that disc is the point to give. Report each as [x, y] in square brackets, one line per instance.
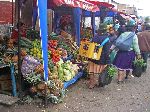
[95, 68]
[124, 60]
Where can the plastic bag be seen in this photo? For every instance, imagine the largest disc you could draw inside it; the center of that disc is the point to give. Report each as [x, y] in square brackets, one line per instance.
[28, 65]
[113, 55]
[137, 71]
[104, 78]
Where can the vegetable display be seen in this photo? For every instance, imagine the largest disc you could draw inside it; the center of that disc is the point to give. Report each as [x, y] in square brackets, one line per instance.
[61, 52]
[60, 69]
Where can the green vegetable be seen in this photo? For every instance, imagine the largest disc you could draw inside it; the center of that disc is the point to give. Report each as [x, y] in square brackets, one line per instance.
[112, 71]
[57, 99]
[26, 40]
[67, 77]
[139, 62]
[60, 73]
[33, 78]
[33, 34]
[25, 44]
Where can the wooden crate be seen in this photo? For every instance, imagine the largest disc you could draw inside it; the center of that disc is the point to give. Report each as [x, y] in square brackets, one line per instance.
[5, 85]
[5, 77]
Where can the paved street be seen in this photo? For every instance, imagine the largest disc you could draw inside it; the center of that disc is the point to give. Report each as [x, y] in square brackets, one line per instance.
[133, 96]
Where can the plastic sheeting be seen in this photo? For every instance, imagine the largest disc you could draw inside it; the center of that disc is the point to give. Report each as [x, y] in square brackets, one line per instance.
[73, 80]
[77, 18]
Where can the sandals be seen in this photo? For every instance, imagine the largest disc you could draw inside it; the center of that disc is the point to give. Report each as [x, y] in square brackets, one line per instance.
[120, 82]
[92, 82]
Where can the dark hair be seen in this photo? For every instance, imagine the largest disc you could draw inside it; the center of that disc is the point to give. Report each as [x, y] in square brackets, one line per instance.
[19, 25]
[102, 32]
[130, 27]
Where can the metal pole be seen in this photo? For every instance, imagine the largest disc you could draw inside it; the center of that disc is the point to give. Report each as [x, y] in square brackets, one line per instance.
[12, 12]
[19, 54]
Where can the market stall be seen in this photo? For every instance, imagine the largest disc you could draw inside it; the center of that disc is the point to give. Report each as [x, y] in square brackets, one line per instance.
[48, 62]
[72, 8]
[7, 61]
[105, 11]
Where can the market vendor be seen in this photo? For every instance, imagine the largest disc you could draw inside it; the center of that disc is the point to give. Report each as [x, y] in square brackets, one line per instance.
[14, 34]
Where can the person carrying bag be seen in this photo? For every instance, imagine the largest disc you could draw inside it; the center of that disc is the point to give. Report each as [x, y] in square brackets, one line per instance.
[95, 67]
[127, 43]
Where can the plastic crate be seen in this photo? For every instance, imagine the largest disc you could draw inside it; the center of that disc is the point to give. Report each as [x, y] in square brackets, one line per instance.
[95, 51]
[90, 50]
[84, 48]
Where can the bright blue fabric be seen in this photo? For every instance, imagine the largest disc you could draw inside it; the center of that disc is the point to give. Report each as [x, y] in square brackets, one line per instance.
[73, 80]
[77, 18]
[42, 5]
[104, 42]
[98, 14]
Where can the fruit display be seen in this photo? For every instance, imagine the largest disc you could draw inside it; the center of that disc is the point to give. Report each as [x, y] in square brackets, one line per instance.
[36, 50]
[60, 69]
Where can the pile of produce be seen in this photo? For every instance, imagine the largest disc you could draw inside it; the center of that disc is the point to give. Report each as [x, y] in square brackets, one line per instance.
[32, 34]
[33, 73]
[8, 52]
[36, 50]
[60, 69]
[62, 52]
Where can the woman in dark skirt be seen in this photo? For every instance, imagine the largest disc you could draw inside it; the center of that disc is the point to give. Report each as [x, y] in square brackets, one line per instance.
[124, 59]
[95, 67]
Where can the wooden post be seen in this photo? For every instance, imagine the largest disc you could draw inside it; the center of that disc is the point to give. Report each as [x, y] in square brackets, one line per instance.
[19, 53]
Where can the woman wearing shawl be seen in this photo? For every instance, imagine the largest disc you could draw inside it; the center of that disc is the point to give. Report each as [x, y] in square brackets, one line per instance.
[95, 67]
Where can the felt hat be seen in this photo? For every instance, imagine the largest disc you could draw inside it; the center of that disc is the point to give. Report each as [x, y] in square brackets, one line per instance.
[103, 27]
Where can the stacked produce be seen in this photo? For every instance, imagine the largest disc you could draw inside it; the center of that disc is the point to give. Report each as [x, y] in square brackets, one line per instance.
[36, 50]
[60, 69]
[61, 52]
[8, 52]
[66, 70]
